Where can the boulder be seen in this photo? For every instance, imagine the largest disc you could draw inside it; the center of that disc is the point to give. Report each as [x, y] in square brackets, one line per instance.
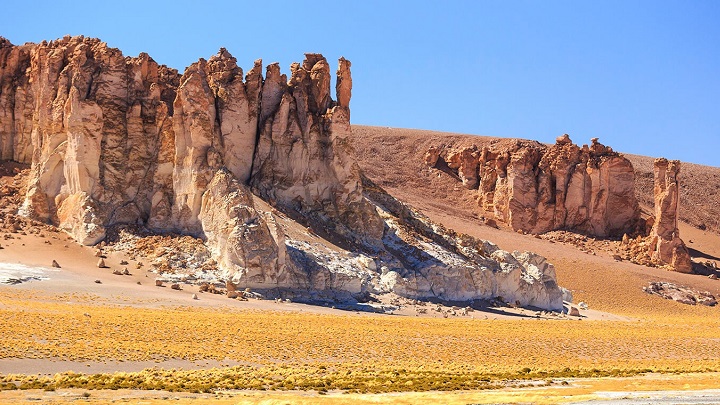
[681, 294]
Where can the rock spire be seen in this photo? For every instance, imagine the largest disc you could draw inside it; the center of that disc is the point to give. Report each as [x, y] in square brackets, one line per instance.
[666, 247]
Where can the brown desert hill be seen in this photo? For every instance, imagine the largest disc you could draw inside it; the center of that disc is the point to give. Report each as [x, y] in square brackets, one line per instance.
[394, 159]
[378, 148]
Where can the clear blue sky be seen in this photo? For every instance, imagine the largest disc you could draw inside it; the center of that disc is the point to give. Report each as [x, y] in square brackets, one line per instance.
[644, 76]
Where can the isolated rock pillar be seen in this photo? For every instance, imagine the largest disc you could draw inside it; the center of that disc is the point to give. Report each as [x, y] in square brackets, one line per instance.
[667, 247]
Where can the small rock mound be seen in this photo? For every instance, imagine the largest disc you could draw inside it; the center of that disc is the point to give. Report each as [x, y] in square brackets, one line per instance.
[681, 294]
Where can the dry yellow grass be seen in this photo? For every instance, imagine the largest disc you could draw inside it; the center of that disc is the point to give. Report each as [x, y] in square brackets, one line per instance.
[354, 353]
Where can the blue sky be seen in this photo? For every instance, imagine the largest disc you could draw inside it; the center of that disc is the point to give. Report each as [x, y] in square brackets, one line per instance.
[644, 76]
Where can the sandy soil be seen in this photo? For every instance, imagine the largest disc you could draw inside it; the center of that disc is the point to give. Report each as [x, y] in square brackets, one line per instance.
[79, 274]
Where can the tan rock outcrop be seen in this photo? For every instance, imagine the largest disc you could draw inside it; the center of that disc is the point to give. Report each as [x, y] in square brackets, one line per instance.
[465, 161]
[215, 125]
[87, 119]
[666, 247]
[240, 238]
[302, 165]
[116, 140]
[534, 188]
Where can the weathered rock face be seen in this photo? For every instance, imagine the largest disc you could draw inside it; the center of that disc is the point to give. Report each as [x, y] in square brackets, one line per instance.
[536, 189]
[215, 125]
[241, 237]
[91, 123]
[115, 140]
[666, 247]
[421, 259]
[302, 162]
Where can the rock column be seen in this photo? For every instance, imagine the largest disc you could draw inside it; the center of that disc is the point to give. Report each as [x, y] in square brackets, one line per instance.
[666, 247]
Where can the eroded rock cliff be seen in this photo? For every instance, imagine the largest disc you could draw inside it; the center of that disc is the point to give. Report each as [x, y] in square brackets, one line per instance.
[534, 188]
[115, 140]
[590, 189]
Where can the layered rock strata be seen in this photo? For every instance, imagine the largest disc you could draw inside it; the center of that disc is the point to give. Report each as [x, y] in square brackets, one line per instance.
[666, 247]
[534, 188]
[114, 140]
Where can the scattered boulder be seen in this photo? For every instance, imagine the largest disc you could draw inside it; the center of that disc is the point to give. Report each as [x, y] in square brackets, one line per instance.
[681, 294]
[55, 264]
[233, 294]
[126, 272]
[117, 272]
[101, 263]
[195, 297]
[175, 286]
[573, 311]
[159, 283]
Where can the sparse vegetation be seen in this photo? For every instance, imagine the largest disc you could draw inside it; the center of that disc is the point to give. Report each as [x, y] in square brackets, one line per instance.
[352, 353]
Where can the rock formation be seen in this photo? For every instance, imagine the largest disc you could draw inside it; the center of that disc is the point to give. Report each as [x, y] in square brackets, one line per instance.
[115, 140]
[534, 188]
[302, 163]
[681, 294]
[666, 247]
[590, 189]
[93, 124]
[240, 237]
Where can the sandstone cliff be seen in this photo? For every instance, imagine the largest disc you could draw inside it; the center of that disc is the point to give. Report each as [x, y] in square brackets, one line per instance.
[534, 188]
[115, 140]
